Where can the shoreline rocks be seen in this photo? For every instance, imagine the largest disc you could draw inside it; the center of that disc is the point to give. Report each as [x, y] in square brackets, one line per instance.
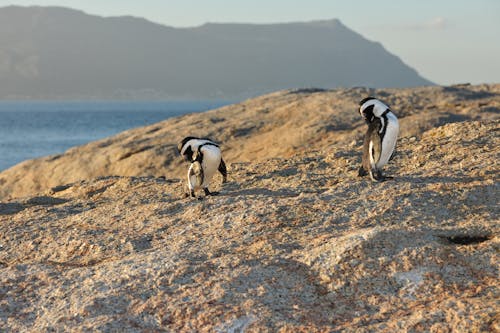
[292, 243]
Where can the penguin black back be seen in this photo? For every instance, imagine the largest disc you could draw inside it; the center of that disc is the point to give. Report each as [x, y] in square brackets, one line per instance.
[366, 99]
[189, 144]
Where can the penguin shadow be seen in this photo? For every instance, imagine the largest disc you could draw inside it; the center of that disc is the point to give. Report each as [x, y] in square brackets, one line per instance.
[232, 190]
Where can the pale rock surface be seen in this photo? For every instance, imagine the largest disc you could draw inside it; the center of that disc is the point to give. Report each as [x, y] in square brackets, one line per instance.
[281, 124]
[294, 242]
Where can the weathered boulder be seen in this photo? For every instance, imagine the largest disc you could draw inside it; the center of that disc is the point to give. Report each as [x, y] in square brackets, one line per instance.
[290, 244]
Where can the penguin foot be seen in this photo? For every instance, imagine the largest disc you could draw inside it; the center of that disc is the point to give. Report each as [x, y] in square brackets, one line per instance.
[382, 178]
[362, 172]
[191, 195]
[376, 175]
[207, 192]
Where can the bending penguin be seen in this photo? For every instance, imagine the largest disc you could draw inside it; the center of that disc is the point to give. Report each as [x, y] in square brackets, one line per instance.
[380, 138]
[206, 158]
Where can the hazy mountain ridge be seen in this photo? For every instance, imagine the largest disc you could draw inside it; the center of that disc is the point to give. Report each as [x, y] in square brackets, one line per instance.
[56, 52]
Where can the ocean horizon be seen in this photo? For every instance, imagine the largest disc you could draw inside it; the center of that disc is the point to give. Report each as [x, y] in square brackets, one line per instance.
[32, 129]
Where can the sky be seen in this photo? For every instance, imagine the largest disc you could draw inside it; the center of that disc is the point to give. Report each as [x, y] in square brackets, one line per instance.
[446, 41]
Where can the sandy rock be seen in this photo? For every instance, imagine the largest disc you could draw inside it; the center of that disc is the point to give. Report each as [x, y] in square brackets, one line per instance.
[280, 124]
[291, 244]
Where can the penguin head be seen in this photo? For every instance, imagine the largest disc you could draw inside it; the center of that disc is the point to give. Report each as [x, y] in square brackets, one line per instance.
[184, 148]
[371, 108]
[366, 99]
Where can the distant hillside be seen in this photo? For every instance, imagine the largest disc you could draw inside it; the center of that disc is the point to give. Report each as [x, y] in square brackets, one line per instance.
[50, 52]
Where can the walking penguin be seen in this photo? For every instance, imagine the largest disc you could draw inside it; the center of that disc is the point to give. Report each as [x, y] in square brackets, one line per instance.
[206, 158]
[380, 138]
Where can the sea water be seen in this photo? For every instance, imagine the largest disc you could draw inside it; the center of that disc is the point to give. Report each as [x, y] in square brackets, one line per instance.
[33, 129]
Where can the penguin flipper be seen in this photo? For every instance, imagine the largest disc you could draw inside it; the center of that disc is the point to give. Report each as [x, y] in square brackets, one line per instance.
[375, 151]
[376, 148]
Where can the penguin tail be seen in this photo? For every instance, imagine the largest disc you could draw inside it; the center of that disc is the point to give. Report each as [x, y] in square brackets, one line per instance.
[223, 170]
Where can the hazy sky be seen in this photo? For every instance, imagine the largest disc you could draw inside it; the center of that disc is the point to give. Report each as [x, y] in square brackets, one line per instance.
[446, 41]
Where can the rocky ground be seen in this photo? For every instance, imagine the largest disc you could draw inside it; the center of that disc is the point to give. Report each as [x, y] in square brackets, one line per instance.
[281, 124]
[294, 242]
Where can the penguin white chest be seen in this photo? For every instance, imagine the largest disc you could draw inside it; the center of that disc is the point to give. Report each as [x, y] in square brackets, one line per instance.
[389, 139]
[195, 176]
[210, 163]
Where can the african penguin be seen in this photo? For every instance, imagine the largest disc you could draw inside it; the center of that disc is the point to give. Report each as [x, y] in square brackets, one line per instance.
[380, 138]
[206, 158]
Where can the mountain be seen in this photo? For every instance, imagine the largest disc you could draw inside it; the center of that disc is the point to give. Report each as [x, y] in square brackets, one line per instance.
[52, 52]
